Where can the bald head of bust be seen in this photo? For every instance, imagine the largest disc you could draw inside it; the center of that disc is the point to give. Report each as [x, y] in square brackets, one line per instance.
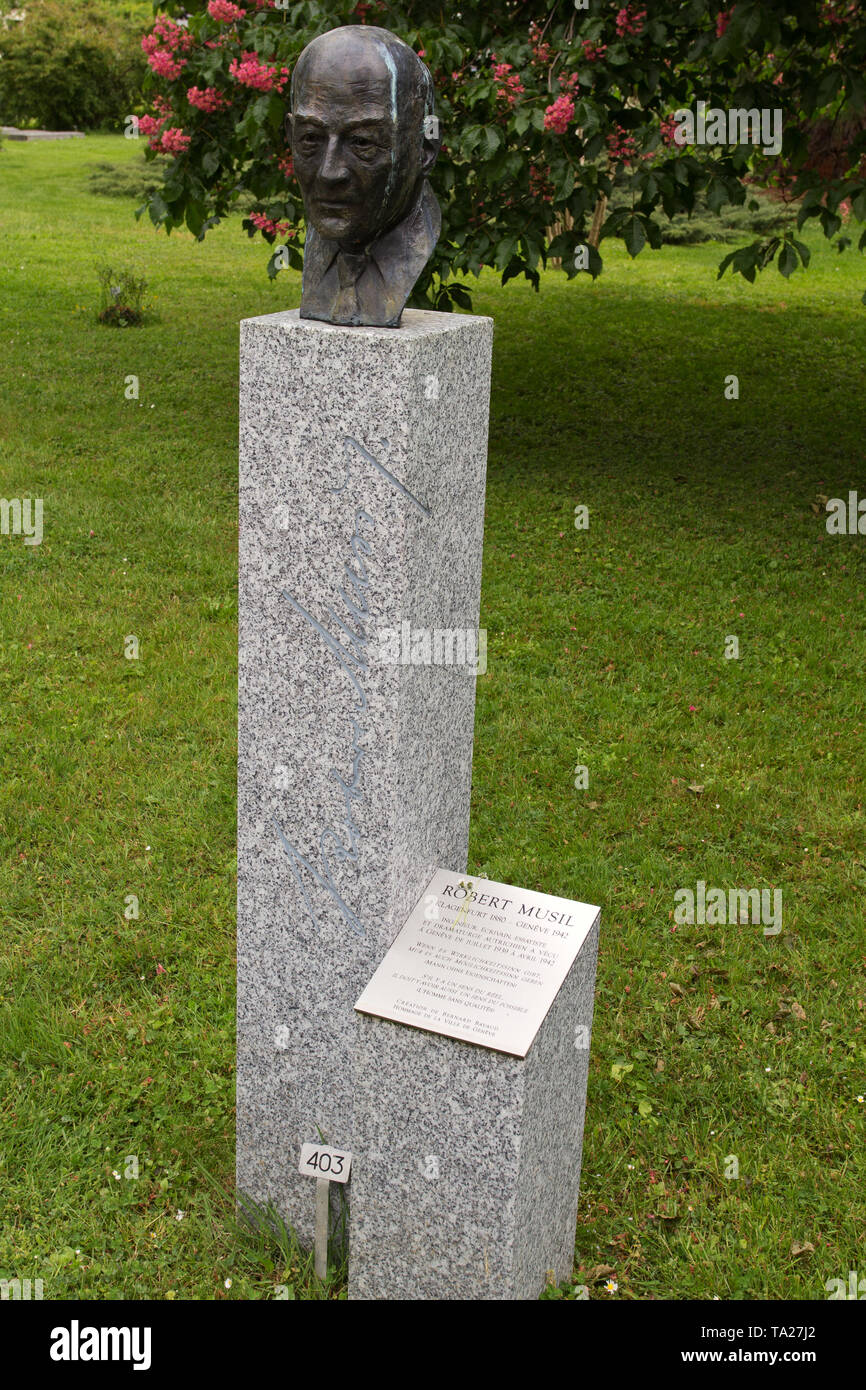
[361, 142]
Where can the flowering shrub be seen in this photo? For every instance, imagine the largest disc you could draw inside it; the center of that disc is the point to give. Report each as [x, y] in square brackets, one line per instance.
[544, 116]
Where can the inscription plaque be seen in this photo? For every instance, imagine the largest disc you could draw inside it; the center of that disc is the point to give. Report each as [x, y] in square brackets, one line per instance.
[480, 961]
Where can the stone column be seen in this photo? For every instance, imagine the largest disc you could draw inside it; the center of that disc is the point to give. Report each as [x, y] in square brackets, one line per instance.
[362, 468]
[466, 1174]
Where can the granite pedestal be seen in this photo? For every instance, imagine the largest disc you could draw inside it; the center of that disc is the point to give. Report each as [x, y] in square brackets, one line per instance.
[362, 469]
[466, 1172]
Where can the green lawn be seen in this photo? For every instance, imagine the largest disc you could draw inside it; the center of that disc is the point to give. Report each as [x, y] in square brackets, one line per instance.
[605, 648]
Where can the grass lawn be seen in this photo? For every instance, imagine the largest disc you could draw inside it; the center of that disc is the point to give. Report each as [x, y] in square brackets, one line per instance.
[606, 648]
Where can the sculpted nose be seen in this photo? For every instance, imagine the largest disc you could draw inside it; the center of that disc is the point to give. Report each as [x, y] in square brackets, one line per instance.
[333, 167]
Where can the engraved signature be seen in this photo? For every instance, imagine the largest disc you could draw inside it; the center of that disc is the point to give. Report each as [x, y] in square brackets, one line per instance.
[352, 658]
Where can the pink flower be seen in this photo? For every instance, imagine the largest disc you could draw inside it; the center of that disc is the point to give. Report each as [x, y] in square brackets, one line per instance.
[265, 224]
[162, 45]
[251, 73]
[539, 184]
[541, 51]
[166, 32]
[558, 115]
[149, 125]
[207, 99]
[512, 87]
[621, 145]
[164, 65]
[630, 21]
[286, 165]
[224, 11]
[173, 141]
[160, 969]
[722, 22]
[592, 52]
[669, 128]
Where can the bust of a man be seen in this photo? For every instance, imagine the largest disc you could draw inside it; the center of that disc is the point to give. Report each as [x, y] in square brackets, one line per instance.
[364, 136]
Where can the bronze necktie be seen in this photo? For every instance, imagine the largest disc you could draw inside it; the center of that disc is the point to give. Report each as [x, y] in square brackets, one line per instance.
[350, 268]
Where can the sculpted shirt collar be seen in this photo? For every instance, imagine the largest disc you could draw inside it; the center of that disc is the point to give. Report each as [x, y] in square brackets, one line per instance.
[395, 260]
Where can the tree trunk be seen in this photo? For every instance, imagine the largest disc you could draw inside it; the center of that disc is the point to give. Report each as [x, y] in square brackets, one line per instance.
[597, 220]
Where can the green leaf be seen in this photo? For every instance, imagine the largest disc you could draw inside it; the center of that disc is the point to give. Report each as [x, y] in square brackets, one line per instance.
[805, 213]
[565, 189]
[787, 260]
[158, 211]
[634, 236]
[830, 222]
[461, 296]
[596, 265]
[654, 234]
[617, 55]
[716, 196]
[492, 139]
[505, 250]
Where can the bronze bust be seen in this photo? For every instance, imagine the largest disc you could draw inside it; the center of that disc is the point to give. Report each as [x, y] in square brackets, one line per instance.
[364, 136]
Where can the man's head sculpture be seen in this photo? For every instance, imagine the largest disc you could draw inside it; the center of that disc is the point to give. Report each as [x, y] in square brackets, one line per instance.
[364, 136]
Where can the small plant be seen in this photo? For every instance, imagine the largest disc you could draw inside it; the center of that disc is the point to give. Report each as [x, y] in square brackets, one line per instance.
[121, 297]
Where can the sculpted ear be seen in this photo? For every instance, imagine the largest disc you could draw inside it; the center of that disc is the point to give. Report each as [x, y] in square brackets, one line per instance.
[287, 128]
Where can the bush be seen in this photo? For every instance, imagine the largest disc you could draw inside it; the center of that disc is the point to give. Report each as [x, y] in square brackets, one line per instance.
[71, 64]
[761, 215]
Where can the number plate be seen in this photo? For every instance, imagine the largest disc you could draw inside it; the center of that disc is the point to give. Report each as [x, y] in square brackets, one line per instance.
[319, 1161]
